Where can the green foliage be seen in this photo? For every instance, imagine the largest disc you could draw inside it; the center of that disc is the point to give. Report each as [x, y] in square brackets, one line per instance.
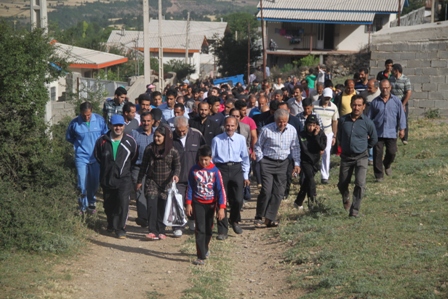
[232, 55]
[239, 21]
[309, 60]
[432, 113]
[181, 68]
[36, 181]
[83, 34]
[413, 5]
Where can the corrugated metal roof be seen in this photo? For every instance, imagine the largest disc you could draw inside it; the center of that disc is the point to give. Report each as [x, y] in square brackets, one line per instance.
[390, 6]
[78, 55]
[172, 42]
[175, 29]
[317, 16]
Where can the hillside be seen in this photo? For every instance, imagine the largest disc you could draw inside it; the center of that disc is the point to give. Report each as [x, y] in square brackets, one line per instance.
[65, 14]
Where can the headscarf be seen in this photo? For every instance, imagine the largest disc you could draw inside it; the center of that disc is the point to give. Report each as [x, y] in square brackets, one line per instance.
[167, 143]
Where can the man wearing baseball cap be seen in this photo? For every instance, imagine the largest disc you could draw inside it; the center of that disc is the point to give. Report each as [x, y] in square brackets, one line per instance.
[329, 115]
[116, 152]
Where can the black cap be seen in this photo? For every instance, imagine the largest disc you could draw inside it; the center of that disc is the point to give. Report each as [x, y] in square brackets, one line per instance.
[311, 119]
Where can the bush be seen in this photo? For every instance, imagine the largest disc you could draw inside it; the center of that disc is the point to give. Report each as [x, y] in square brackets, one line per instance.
[309, 61]
[37, 180]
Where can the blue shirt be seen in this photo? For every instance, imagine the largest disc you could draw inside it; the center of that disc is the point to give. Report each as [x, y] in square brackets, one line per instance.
[231, 149]
[83, 136]
[387, 116]
[143, 140]
[277, 145]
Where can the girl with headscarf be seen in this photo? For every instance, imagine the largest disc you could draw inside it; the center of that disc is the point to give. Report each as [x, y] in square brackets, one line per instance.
[161, 165]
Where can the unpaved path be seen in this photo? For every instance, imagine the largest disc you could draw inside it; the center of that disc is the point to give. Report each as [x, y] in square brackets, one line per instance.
[136, 268]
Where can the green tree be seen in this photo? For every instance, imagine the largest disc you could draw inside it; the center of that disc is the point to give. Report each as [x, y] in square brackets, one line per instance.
[37, 201]
[181, 68]
[413, 5]
[239, 21]
[232, 55]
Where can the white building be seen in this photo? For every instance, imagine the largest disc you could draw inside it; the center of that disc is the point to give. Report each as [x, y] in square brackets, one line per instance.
[302, 27]
[174, 40]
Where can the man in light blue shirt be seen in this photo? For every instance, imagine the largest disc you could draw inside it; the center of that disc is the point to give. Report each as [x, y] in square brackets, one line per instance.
[387, 113]
[230, 155]
[276, 142]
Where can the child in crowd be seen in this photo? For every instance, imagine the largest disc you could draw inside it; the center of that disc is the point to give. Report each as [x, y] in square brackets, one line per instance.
[205, 194]
[161, 165]
[312, 141]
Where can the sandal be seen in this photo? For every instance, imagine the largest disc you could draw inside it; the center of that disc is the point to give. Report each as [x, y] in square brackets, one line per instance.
[270, 223]
[151, 237]
[162, 236]
[258, 223]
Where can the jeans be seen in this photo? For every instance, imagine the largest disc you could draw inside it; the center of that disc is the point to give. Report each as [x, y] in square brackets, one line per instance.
[88, 182]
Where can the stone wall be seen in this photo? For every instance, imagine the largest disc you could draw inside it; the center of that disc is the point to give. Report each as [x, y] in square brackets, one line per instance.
[422, 50]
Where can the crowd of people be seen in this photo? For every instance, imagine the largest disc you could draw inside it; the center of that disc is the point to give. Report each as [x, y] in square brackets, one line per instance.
[210, 139]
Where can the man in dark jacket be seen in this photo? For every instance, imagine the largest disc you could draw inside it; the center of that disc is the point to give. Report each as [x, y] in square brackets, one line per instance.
[187, 142]
[116, 152]
[207, 127]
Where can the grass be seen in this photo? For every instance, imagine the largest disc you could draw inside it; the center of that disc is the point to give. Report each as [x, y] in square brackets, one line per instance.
[211, 280]
[399, 249]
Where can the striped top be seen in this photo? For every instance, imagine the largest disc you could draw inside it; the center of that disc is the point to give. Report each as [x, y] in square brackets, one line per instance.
[327, 115]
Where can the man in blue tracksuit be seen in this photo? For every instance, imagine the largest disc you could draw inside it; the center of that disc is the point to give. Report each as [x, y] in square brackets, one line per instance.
[82, 132]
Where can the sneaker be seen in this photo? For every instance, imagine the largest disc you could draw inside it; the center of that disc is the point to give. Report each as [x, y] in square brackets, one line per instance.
[91, 210]
[177, 233]
[237, 228]
[221, 237]
[190, 225]
[151, 237]
[121, 234]
[162, 236]
[324, 181]
[199, 262]
[300, 208]
[388, 171]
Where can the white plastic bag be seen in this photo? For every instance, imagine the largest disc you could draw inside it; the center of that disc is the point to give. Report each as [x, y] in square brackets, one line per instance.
[174, 209]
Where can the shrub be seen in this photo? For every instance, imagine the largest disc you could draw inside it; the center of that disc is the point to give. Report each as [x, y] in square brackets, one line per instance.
[309, 61]
[36, 175]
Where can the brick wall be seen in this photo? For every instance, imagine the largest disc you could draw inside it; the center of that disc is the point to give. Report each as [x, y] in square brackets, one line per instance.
[422, 50]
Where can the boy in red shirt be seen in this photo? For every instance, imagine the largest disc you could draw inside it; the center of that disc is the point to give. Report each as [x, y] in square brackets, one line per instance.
[205, 191]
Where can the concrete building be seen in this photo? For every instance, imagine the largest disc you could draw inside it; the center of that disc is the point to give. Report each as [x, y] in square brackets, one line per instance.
[201, 36]
[302, 27]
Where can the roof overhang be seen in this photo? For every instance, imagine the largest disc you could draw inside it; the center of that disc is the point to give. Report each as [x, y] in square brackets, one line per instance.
[324, 17]
[98, 66]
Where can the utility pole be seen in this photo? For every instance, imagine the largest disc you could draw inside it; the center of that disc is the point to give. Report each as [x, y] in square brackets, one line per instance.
[263, 40]
[248, 52]
[433, 11]
[399, 12]
[146, 54]
[39, 17]
[187, 41]
[161, 76]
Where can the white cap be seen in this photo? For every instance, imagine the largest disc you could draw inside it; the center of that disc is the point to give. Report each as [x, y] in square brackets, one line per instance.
[328, 92]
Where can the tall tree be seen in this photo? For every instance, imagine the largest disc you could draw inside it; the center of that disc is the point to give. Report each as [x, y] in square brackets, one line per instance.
[232, 54]
[239, 21]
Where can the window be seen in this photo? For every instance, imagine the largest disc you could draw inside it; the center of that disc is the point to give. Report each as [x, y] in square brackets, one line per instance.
[53, 94]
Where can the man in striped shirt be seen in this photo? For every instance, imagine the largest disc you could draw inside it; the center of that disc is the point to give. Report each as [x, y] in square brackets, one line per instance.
[276, 141]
